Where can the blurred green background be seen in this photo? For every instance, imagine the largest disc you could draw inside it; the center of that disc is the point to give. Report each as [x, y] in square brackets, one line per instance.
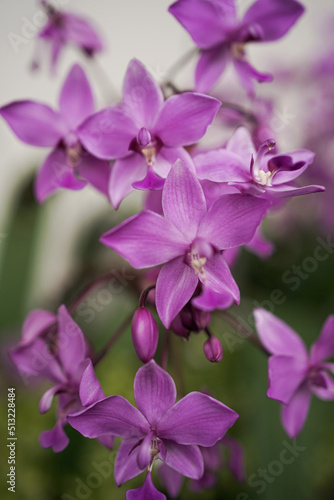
[240, 380]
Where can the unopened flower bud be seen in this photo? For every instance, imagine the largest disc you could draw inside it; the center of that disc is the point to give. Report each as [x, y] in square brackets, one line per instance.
[144, 137]
[145, 334]
[213, 349]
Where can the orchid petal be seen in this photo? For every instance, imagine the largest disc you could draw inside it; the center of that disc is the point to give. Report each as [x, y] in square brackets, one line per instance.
[72, 346]
[95, 171]
[47, 398]
[76, 99]
[247, 74]
[124, 173]
[126, 465]
[146, 492]
[210, 300]
[196, 419]
[55, 438]
[294, 413]
[81, 33]
[286, 191]
[187, 460]
[218, 278]
[35, 323]
[211, 64]
[90, 389]
[323, 348]
[286, 373]
[221, 165]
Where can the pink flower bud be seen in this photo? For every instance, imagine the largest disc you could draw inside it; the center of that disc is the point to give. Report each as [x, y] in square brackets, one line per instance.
[213, 349]
[144, 137]
[145, 334]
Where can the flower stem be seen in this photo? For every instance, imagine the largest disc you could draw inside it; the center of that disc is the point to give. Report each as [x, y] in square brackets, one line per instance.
[178, 65]
[144, 295]
[246, 332]
[117, 334]
[164, 353]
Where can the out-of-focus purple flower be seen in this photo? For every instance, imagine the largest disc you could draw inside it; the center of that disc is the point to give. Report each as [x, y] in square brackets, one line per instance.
[258, 173]
[158, 428]
[145, 334]
[293, 374]
[54, 347]
[69, 165]
[222, 38]
[188, 240]
[213, 349]
[65, 28]
[258, 246]
[213, 463]
[146, 134]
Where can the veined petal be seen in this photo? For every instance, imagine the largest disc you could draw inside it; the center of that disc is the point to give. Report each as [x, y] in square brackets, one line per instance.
[210, 300]
[76, 99]
[286, 190]
[126, 465]
[294, 413]
[142, 96]
[167, 157]
[90, 389]
[241, 143]
[113, 415]
[95, 171]
[34, 324]
[286, 373]
[232, 220]
[183, 200]
[221, 165]
[147, 239]
[218, 278]
[108, 133]
[154, 392]
[55, 438]
[274, 17]
[211, 64]
[72, 346]
[184, 118]
[196, 419]
[186, 459]
[323, 348]
[124, 173]
[201, 19]
[175, 285]
[277, 337]
[146, 492]
[34, 123]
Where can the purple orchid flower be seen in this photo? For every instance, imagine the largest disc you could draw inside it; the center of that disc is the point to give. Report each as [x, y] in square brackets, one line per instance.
[259, 173]
[68, 165]
[146, 492]
[158, 428]
[188, 240]
[213, 463]
[145, 134]
[293, 374]
[64, 28]
[221, 37]
[54, 347]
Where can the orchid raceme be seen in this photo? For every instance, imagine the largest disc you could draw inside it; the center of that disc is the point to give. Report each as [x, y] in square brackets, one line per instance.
[293, 373]
[54, 347]
[189, 241]
[69, 165]
[65, 28]
[258, 173]
[145, 134]
[221, 37]
[158, 428]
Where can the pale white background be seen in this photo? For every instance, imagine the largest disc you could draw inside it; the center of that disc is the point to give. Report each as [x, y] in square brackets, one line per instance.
[131, 28]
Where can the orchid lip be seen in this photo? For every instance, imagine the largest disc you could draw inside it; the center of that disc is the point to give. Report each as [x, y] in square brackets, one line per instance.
[258, 175]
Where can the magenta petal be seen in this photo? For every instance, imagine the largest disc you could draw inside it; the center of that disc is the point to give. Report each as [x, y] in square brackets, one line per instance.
[325, 393]
[175, 285]
[76, 98]
[72, 346]
[187, 460]
[142, 96]
[82, 33]
[196, 419]
[108, 133]
[34, 123]
[260, 246]
[107, 441]
[126, 465]
[124, 173]
[146, 240]
[150, 182]
[210, 300]
[210, 66]
[113, 415]
[294, 413]
[247, 74]
[90, 389]
[236, 459]
[184, 118]
[274, 17]
[167, 157]
[171, 480]
[323, 348]
[146, 492]
[221, 165]
[285, 374]
[289, 166]
[277, 337]
[34, 324]
[218, 278]
[241, 143]
[144, 451]
[47, 398]
[55, 438]
[154, 392]
[232, 220]
[183, 200]
[201, 20]
[286, 191]
[95, 171]
[56, 172]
